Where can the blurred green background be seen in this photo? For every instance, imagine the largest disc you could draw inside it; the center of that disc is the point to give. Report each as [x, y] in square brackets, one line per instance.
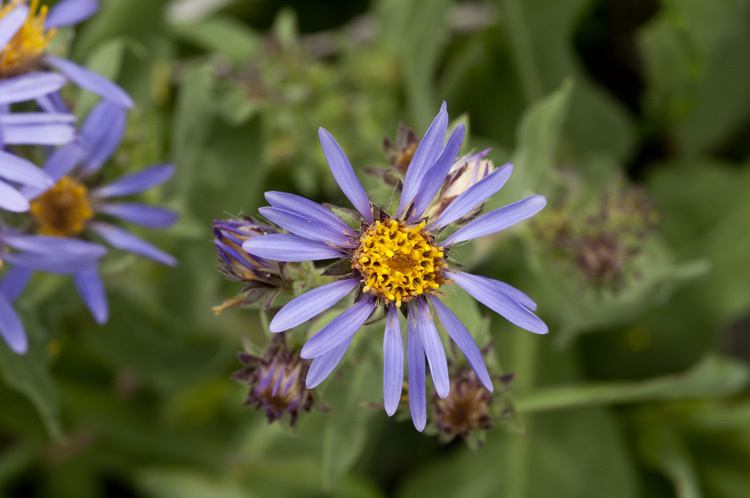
[631, 116]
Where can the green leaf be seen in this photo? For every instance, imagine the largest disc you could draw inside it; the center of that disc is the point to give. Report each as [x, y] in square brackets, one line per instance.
[187, 483]
[29, 375]
[223, 35]
[106, 60]
[714, 377]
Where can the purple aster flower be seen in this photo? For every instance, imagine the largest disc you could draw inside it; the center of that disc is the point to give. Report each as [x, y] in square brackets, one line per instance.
[26, 253]
[28, 128]
[25, 32]
[74, 206]
[396, 259]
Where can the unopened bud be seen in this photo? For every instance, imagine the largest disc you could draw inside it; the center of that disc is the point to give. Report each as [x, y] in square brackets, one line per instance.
[465, 173]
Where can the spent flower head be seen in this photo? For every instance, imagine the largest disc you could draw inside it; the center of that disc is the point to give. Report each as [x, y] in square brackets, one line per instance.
[398, 260]
[276, 380]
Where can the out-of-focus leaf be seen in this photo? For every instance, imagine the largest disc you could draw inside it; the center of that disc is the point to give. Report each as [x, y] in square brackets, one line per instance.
[187, 483]
[223, 35]
[29, 375]
[107, 61]
[714, 377]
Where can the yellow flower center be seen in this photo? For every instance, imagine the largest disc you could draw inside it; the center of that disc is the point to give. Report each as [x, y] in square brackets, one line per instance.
[399, 262]
[23, 50]
[63, 210]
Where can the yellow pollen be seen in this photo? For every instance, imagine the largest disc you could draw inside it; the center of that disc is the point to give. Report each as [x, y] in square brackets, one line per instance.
[63, 210]
[398, 261]
[23, 50]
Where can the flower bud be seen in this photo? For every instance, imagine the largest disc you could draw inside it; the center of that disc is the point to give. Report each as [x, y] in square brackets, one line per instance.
[276, 380]
[467, 406]
[466, 171]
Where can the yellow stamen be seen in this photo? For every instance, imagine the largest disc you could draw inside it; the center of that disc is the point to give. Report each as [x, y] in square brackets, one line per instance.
[63, 210]
[399, 262]
[21, 53]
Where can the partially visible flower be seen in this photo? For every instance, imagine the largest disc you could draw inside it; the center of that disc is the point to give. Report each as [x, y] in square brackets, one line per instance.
[600, 241]
[27, 128]
[396, 259]
[74, 205]
[20, 255]
[25, 33]
[466, 408]
[466, 172]
[276, 381]
[259, 275]
[401, 152]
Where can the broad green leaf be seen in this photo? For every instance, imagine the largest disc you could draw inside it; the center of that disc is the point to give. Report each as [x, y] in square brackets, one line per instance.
[223, 35]
[187, 483]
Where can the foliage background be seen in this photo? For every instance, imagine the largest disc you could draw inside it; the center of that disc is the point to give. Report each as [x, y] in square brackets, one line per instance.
[640, 392]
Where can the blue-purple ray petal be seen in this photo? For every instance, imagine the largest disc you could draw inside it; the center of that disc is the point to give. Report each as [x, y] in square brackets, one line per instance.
[416, 368]
[122, 239]
[12, 200]
[513, 293]
[14, 282]
[101, 134]
[11, 328]
[311, 303]
[37, 128]
[55, 247]
[19, 170]
[307, 226]
[463, 340]
[424, 157]
[288, 247]
[59, 163]
[302, 206]
[140, 214]
[53, 103]
[499, 302]
[393, 361]
[433, 348]
[69, 12]
[90, 288]
[473, 196]
[12, 22]
[344, 174]
[497, 220]
[436, 175]
[29, 86]
[91, 81]
[323, 365]
[135, 183]
[339, 329]
[46, 263]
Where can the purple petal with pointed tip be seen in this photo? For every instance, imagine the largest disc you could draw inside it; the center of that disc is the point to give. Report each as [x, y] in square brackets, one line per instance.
[91, 290]
[37, 128]
[424, 157]
[344, 174]
[497, 220]
[11, 328]
[323, 365]
[122, 239]
[436, 175]
[393, 362]
[288, 247]
[135, 183]
[340, 329]
[513, 293]
[12, 200]
[416, 368]
[16, 169]
[499, 302]
[91, 81]
[311, 303]
[14, 282]
[464, 341]
[29, 86]
[307, 226]
[433, 348]
[101, 134]
[140, 214]
[12, 22]
[473, 196]
[69, 12]
[302, 206]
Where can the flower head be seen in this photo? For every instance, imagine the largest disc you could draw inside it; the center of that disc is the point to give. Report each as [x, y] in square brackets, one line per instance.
[396, 259]
[277, 381]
